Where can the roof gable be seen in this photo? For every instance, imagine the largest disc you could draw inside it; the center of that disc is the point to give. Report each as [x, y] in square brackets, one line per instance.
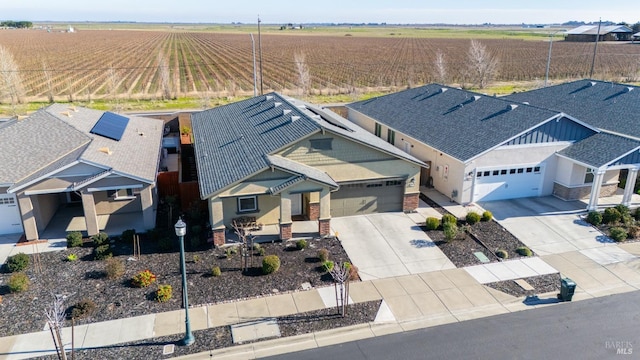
[607, 106]
[604, 149]
[460, 123]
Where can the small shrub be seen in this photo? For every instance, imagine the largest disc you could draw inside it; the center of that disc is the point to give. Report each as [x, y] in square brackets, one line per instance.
[611, 216]
[473, 218]
[114, 268]
[301, 244]
[74, 239]
[261, 251]
[127, 236]
[270, 264]
[102, 252]
[196, 258]
[84, 308]
[72, 257]
[524, 251]
[432, 223]
[230, 251]
[634, 231]
[618, 234]
[164, 292]
[450, 231]
[622, 209]
[502, 254]
[353, 270]
[323, 255]
[100, 239]
[165, 244]
[594, 218]
[448, 219]
[215, 271]
[143, 279]
[328, 265]
[17, 262]
[256, 246]
[487, 216]
[19, 282]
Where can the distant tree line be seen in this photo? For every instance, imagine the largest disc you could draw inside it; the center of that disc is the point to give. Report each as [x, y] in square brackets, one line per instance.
[16, 24]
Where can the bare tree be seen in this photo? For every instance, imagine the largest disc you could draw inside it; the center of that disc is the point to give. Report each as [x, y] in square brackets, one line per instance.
[113, 81]
[242, 227]
[165, 76]
[341, 276]
[55, 319]
[10, 80]
[48, 80]
[304, 79]
[482, 66]
[440, 67]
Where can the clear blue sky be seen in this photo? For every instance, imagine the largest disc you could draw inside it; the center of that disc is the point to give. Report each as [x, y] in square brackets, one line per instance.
[308, 11]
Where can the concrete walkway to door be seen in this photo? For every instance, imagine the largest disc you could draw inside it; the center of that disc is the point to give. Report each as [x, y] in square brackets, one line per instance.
[387, 245]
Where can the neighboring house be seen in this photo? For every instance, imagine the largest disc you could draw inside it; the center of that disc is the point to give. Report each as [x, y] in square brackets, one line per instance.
[479, 147]
[62, 155]
[276, 159]
[635, 37]
[592, 167]
[587, 33]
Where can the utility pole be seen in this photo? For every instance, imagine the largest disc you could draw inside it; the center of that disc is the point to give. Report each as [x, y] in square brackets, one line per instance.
[595, 50]
[255, 86]
[260, 54]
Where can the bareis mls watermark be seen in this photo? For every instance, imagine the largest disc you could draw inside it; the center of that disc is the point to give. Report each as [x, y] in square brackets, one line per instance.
[620, 347]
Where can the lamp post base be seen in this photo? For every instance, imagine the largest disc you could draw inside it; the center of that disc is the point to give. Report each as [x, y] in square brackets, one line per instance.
[188, 340]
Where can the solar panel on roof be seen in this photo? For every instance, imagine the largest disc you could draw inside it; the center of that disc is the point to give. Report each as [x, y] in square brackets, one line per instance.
[111, 126]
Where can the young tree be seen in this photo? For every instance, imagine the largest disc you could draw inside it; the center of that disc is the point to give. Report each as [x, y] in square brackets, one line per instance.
[55, 319]
[10, 81]
[304, 79]
[440, 67]
[482, 66]
[242, 228]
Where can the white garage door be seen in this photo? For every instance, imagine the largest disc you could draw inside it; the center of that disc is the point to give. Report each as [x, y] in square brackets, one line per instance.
[508, 182]
[367, 198]
[9, 215]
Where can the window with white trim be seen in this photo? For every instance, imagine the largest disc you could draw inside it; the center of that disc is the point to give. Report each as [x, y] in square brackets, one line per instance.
[121, 194]
[391, 136]
[588, 176]
[247, 204]
[378, 130]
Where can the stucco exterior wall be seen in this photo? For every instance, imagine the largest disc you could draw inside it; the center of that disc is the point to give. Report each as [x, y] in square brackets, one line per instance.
[107, 205]
[268, 207]
[44, 207]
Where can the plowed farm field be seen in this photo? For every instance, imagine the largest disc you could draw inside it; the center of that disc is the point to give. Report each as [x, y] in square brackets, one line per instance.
[151, 64]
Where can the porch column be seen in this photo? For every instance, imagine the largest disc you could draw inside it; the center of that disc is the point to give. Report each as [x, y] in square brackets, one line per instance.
[216, 214]
[90, 214]
[28, 217]
[314, 206]
[629, 186]
[285, 216]
[595, 190]
[148, 211]
[324, 221]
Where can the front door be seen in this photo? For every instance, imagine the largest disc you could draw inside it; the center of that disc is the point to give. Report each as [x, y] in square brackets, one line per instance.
[296, 204]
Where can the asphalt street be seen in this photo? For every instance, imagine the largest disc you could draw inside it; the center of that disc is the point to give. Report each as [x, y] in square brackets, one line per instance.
[600, 328]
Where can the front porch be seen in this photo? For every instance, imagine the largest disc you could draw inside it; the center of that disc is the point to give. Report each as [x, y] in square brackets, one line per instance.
[71, 218]
[270, 233]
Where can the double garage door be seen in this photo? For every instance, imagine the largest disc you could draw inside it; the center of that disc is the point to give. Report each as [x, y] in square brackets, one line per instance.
[367, 198]
[508, 182]
[10, 222]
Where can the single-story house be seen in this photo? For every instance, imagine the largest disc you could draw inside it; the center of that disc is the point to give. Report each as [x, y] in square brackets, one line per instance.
[587, 33]
[569, 140]
[62, 156]
[275, 160]
[479, 147]
[592, 167]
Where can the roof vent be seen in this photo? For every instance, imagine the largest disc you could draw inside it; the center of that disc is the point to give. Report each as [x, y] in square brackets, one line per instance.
[443, 90]
[66, 113]
[105, 150]
[629, 89]
[21, 117]
[512, 107]
[73, 108]
[276, 104]
[316, 117]
[476, 97]
[269, 97]
[285, 111]
[525, 102]
[593, 83]
[294, 118]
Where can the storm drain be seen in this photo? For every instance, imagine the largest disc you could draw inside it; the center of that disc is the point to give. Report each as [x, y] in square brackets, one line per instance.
[254, 330]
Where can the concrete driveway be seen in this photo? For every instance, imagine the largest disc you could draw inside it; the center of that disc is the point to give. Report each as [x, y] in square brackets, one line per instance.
[387, 245]
[548, 225]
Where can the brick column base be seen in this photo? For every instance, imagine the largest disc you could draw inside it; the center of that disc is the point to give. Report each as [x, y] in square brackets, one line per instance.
[314, 211]
[410, 202]
[324, 227]
[285, 231]
[219, 237]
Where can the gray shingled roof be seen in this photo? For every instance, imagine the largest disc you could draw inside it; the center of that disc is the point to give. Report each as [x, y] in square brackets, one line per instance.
[34, 143]
[301, 169]
[57, 164]
[600, 149]
[460, 123]
[603, 105]
[593, 30]
[231, 141]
